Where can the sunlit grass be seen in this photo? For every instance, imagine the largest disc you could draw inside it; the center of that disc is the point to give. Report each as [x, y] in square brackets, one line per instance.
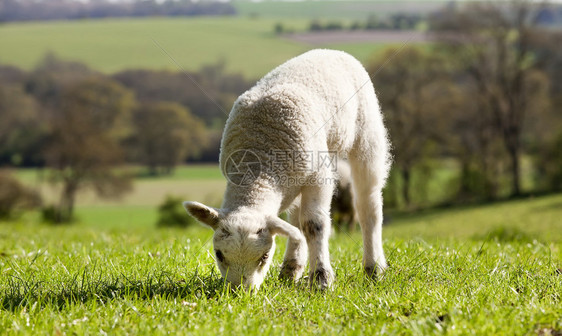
[479, 270]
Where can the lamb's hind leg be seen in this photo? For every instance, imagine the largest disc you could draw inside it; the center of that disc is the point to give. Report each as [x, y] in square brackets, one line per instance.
[295, 257]
[316, 225]
[368, 180]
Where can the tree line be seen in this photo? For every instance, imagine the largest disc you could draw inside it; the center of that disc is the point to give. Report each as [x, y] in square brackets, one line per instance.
[31, 10]
[30, 101]
[487, 94]
[397, 21]
[547, 15]
[81, 124]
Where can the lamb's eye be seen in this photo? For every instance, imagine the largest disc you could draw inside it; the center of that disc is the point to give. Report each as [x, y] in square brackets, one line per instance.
[260, 231]
[263, 259]
[220, 257]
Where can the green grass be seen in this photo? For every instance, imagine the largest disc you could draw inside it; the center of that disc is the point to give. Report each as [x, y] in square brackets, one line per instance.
[28, 176]
[246, 45]
[118, 217]
[480, 270]
[534, 218]
[137, 209]
[203, 182]
[188, 172]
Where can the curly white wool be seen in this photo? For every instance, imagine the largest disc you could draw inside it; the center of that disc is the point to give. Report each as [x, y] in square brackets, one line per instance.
[318, 103]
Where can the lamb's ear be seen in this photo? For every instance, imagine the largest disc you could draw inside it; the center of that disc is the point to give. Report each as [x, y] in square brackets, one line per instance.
[278, 226]
[206, 215]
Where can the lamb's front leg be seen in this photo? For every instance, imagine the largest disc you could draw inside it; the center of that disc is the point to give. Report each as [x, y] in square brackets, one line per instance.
[316, 225]
[295, 256]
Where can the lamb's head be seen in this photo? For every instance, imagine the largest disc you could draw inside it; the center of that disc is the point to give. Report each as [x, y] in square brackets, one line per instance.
[243, 241]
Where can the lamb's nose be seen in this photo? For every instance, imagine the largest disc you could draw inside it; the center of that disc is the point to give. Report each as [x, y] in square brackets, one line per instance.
[235, 282]
[249, 286]
[241, 285]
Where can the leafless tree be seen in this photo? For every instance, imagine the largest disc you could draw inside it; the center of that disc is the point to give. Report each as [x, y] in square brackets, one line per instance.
[494, 44]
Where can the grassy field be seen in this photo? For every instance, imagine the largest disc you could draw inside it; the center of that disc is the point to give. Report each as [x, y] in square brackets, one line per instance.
[492, 269]
[489, 269]
[205, 183]
[247, 45]
[482, 270]
[138, 208]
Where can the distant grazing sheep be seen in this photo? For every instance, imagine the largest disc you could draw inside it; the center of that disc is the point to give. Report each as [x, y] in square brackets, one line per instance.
[277, 154]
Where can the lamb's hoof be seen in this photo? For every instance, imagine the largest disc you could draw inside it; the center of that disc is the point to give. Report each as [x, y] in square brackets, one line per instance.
[374, 272]
[322, 278]
[291, 270]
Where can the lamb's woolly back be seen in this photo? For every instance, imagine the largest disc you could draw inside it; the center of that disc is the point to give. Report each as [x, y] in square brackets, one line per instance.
[320, 100]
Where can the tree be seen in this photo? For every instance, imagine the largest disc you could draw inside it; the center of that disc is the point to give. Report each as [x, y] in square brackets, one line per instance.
[48, 80]
[164, 135]
[494, 43]
[212, 81]
[473, 141]
[549, 164]
[83, 146]
[414, 99]
[21, 130]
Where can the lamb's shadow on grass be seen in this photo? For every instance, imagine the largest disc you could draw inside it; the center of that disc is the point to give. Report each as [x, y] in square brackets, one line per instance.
[84, 287]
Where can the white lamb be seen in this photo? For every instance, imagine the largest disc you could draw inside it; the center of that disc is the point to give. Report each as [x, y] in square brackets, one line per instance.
[276, 154]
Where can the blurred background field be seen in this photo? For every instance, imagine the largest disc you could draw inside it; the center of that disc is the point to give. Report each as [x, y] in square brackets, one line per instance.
[119, 106]
[111, 45]
[526, 219]
[173, 69]
[137, 209]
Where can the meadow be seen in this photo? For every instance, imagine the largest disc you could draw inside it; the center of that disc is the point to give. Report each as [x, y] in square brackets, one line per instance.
[246, 45]
[205, 183]
[137, 208]
[492, 269]
[479, 269]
